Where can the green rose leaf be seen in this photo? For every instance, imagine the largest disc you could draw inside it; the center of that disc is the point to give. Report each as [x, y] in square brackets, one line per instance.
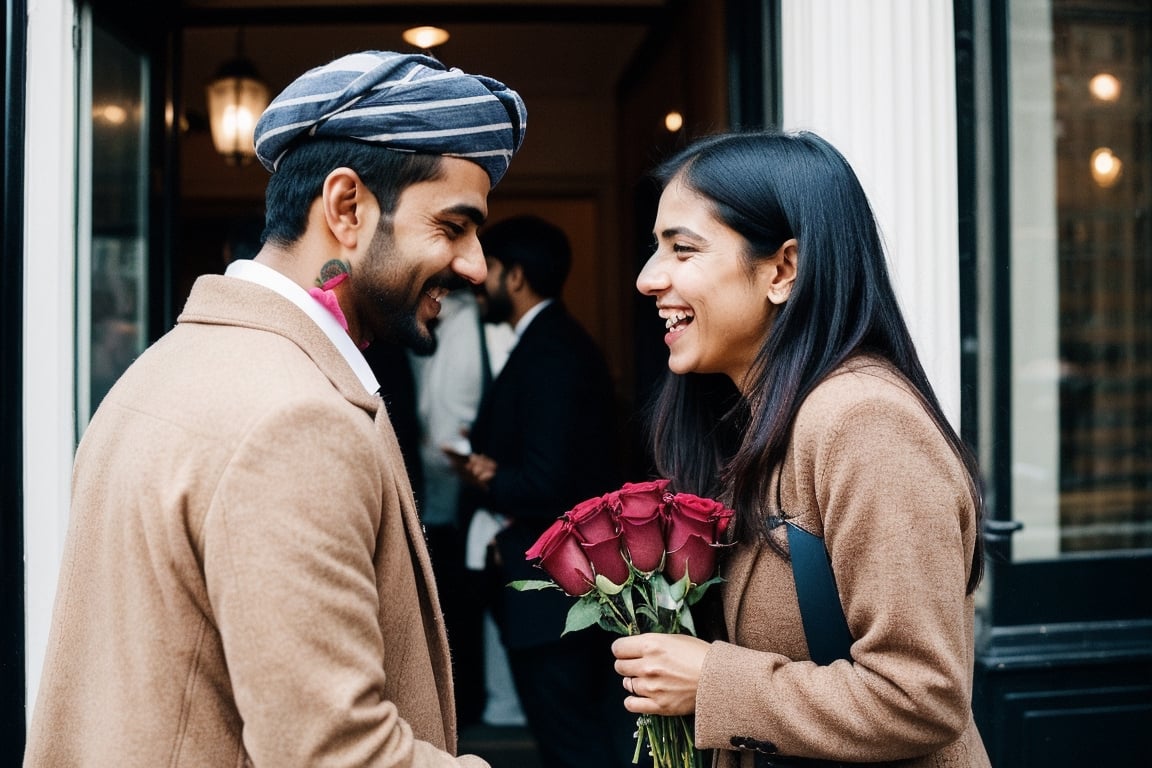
[686, 622]
[583, 613]
[528, 585]
[697, 593]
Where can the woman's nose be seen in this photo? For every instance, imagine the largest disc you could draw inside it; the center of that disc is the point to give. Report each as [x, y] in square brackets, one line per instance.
[653, 277]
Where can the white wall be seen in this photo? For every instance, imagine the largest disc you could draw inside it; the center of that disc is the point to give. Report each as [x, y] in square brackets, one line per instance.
[877, 79]
[49, 344]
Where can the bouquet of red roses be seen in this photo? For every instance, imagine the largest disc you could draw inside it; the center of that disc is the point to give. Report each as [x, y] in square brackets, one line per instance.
[638, 559]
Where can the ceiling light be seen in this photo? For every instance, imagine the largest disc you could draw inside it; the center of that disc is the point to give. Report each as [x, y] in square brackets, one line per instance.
[1106, 167]
[1105, 87]
[425, 38]
[236, 99]
[673, 121]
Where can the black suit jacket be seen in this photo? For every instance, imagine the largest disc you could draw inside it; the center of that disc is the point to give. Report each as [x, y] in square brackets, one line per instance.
[549, 421]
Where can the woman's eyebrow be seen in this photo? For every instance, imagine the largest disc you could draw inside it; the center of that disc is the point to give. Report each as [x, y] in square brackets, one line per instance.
[671, 232]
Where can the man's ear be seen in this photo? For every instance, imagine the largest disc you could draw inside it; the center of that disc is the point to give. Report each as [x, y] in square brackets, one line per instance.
[780, 272]
[348, 207]
[514, 277]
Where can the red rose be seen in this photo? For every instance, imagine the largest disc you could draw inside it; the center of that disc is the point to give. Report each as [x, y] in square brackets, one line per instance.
[694, 524]
[563, 558]
[696, 555]
[596, 527]
[640, 510]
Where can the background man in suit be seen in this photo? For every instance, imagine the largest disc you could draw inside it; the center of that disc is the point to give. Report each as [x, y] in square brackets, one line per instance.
[545, 438]
[245, 581]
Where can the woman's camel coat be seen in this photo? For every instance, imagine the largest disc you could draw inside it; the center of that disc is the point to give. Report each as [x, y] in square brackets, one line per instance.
[868, 470]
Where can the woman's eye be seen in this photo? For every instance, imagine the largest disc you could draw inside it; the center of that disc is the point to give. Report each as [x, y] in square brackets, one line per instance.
[681, 249]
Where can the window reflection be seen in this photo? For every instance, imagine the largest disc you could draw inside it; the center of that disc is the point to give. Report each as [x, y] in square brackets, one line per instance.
[1092, 490]
[115, 250]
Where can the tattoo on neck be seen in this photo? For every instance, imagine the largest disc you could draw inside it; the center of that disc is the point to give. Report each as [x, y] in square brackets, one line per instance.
[331, 269]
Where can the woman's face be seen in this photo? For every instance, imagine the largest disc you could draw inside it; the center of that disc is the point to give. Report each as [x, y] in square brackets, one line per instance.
[716, 308]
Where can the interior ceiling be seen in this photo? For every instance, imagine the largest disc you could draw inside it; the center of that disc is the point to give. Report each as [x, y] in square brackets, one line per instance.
[558, 49]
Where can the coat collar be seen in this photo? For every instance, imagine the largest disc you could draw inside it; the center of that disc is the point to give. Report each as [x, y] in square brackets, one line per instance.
[219, 300]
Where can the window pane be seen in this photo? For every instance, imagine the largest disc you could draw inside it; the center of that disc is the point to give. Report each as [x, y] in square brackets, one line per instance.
[116, 244]
[1082, 275]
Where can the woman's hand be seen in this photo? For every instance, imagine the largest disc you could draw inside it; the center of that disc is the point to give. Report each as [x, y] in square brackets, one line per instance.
[661, 672]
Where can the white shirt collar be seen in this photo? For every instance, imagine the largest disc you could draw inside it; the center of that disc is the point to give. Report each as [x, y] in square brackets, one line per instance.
[261, 274]
[529, 316]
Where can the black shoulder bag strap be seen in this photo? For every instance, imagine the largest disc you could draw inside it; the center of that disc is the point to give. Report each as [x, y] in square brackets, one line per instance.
[825, 627]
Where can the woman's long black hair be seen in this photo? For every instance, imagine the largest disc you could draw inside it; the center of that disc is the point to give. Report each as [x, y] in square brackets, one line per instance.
[770, 187]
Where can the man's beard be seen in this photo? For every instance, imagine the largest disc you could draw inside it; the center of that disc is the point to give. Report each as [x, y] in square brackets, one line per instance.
[396, 319]
[497, 306]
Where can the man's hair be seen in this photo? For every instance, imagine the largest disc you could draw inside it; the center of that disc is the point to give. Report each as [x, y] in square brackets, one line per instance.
[300, 178]
[540, 248]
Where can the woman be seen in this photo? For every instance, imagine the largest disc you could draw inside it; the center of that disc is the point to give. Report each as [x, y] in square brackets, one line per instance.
[796, 394]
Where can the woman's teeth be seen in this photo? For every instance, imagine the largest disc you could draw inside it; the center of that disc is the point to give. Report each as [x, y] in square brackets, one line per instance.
[675, 319]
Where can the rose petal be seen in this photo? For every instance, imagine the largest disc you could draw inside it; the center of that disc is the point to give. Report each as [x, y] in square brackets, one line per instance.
[640, 512]
[554, 531]
[688, 514]
[593, 521]
[568, 566]
[607, 560]
[696, 556]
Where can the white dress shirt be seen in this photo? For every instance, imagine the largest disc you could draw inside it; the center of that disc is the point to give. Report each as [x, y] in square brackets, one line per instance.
[261, 274]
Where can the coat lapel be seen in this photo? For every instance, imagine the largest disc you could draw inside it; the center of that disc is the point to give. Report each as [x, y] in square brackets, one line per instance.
[216, 299]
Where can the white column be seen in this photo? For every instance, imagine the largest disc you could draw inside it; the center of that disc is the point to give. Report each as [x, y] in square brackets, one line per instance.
[876, 78]
[49, 314]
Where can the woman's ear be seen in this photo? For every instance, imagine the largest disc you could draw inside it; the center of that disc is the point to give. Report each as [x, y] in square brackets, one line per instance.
[781, 272]
[347, 206]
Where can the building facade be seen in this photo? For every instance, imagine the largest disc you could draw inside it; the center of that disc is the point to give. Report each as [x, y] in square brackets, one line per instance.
[1006, 146]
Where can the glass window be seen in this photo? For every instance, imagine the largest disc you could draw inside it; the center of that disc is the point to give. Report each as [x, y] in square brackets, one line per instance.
[1081, 272]
[113, 236]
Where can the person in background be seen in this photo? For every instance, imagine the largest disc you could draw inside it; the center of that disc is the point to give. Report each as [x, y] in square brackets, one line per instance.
[245, 581]
[796, 396]
[449, 383]
[545, 439]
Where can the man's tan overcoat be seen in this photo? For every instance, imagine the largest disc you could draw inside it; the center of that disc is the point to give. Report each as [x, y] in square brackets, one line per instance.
[245, 581]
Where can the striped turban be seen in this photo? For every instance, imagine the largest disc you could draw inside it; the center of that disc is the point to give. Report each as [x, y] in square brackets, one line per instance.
[405, 102]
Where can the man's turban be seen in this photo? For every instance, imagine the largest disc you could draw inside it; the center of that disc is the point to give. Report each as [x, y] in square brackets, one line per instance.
[405, 102]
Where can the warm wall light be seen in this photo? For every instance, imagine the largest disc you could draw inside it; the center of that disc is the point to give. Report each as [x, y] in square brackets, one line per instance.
[1106, 167]
[111, 113]
[1105, 87]
[425, 38]
[236, 99]
[673, 121]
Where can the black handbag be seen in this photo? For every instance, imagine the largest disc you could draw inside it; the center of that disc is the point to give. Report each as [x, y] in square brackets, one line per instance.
[825, 627]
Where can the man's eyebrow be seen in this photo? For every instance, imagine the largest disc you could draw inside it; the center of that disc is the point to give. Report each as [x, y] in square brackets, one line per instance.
[471, 211]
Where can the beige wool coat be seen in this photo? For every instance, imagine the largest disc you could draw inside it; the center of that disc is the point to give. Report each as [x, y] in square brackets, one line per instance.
[867, 470]
[245, 581]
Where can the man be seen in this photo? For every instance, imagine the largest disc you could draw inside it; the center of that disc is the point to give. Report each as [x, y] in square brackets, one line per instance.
[544, 439]
[245, 582]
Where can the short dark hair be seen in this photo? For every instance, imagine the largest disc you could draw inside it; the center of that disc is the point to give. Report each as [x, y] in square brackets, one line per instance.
[540, 248]
[300, 177]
